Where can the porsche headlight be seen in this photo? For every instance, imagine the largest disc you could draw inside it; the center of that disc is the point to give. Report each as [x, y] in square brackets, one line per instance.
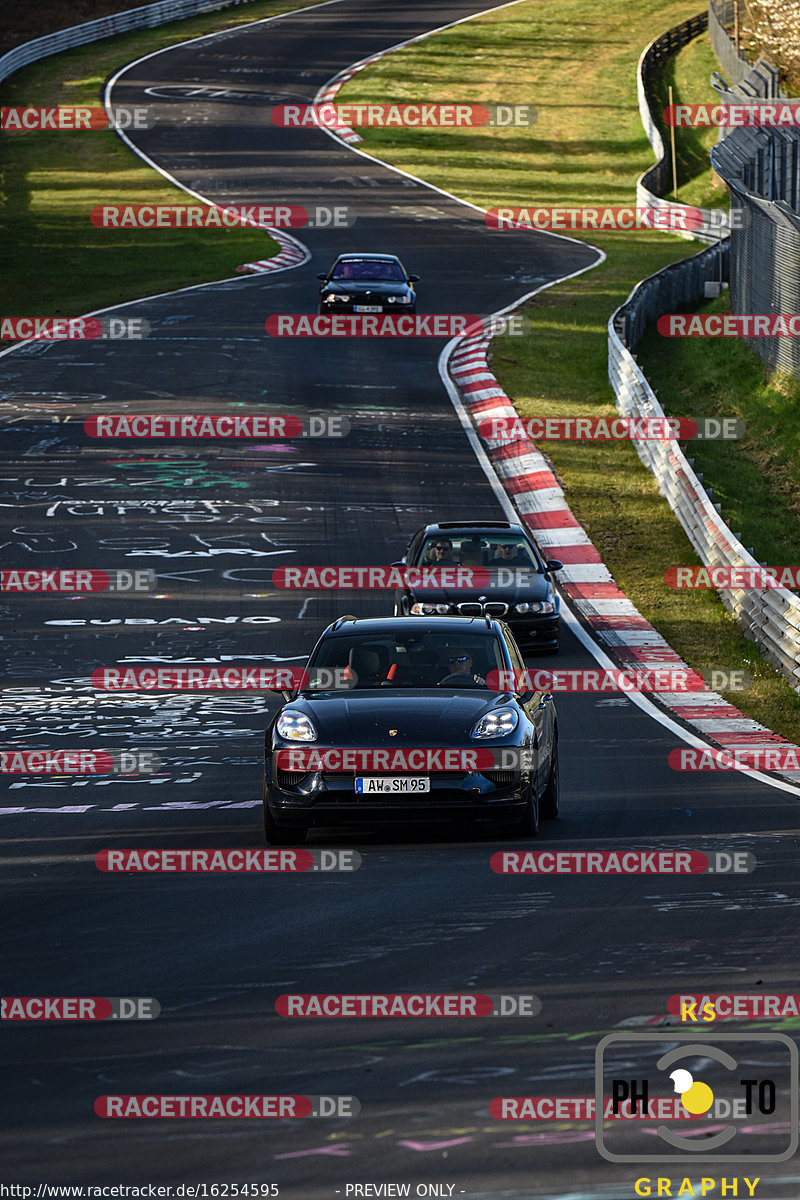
[295, 726]
[427, 610]
[496, 723]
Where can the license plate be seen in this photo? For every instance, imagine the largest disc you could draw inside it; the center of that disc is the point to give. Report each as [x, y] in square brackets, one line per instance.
[367, 308]
[380, 784]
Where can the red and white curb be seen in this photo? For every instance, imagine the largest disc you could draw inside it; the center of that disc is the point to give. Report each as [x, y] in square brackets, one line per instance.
[613, 620]
[292, 254]
[341, 131]
[330, 89]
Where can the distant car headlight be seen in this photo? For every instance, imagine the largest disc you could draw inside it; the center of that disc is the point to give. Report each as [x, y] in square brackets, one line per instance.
[295, 726]
[427, 610]
[336, 298]
[496, 723]
[398, 299]
[544, 606]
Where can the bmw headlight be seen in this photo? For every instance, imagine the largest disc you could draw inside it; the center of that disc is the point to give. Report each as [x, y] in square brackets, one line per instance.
[427, 610]
[544, 606]
[398, 299]
[295, 726]
[336, 298]
[496, 723]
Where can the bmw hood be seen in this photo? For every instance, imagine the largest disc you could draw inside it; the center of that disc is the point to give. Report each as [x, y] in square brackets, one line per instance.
[530, 587]
[378, 288]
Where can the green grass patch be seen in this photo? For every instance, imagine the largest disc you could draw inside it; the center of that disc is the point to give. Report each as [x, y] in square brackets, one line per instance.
[689, 72]
[53, 261]
[575, 62]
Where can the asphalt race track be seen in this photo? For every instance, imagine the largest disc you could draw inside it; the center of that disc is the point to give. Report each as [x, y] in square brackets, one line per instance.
[425, 912]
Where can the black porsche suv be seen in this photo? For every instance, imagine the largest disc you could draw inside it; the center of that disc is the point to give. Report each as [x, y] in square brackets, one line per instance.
[402, 719]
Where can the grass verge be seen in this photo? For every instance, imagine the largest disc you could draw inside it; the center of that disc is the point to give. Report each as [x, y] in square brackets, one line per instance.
[53, 261]
[575, 62]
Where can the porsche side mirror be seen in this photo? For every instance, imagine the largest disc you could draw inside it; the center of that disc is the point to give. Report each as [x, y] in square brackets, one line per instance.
[323, 276]
[413, 278]
[553, 564]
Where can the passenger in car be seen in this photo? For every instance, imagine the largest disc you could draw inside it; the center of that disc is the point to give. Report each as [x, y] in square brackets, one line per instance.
[509, 555]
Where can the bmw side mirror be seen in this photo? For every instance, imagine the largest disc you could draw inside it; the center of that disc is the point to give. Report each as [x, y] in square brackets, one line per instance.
[323, 276]
[398, 564]
[413, 278]
[553, 564]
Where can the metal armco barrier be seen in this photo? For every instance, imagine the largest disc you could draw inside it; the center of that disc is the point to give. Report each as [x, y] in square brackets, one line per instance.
[147, 17]
[657, 180]
[769, 618]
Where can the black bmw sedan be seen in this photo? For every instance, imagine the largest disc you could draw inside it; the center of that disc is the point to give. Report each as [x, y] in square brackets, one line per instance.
[402, 719]
[511, 579]
[367, 283]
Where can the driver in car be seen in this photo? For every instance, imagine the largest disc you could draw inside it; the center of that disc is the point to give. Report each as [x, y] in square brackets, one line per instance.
[460, 663]
[440, 552]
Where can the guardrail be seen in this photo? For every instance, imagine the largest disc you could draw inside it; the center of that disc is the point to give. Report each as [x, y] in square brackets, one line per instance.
[656, 180]
[146, 17]
[770, 618]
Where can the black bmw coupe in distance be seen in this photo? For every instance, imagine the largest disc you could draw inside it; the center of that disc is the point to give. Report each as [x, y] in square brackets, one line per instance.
[517, 583]
[397, 722]
[367, 283]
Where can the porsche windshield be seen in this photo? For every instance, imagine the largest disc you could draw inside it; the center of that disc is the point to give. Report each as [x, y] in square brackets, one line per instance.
[404, 661]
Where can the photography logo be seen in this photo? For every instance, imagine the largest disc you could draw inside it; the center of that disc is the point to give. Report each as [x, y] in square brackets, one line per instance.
[731, 1098]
